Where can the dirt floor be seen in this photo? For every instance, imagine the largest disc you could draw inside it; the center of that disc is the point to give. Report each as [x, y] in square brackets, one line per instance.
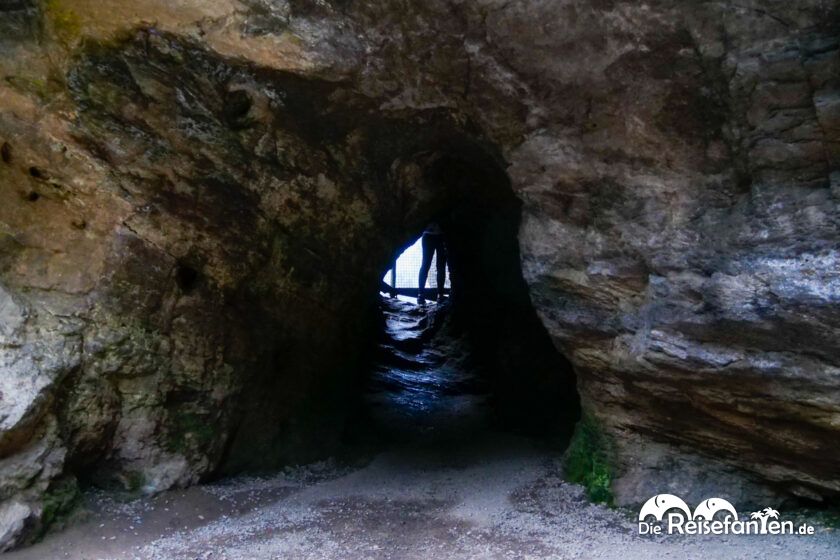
[441, 484]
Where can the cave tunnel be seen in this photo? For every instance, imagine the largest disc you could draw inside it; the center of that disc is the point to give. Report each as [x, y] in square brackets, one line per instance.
[485, 334]
[293, 198]
[483, 344]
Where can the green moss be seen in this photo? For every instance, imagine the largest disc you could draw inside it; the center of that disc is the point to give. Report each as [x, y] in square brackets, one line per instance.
[828, 518]
[65, 22]
[44, 89]
[189, 431]
[60, 500]
[588, 460]
[134, 481]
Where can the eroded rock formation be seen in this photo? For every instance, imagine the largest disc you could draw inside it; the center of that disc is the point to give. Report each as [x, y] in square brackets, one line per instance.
[196, 199]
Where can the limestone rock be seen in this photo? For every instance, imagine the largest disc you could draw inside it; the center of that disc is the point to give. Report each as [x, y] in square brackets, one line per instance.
[13, 518]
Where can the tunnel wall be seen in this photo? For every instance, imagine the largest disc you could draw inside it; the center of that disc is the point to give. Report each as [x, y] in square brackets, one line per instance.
[233, 223]
[532, 384]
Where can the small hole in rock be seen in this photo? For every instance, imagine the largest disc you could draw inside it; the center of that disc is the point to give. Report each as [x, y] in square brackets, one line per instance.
[6, 152]
[37, 173]
[237, 105]
[33, 196]
[186, 277]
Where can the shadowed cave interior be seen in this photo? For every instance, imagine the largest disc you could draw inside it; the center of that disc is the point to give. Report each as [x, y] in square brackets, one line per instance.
[479, 361]
[480, 356]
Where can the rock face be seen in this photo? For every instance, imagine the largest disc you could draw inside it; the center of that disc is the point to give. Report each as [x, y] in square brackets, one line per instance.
[681, 244]
[195, 199]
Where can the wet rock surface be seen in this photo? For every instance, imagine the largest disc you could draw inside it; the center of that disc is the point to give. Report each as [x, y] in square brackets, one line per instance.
[195, 201]
[425, 385]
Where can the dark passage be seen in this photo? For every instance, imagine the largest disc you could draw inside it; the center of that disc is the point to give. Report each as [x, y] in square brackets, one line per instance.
[425, 385]
[479, 359]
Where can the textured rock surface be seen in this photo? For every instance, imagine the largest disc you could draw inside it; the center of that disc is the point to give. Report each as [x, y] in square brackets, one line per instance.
[194, 198]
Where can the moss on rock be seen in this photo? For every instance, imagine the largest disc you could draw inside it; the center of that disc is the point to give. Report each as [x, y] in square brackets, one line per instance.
[189, 431]
[60, 499]
[587, 460]
[66, 24]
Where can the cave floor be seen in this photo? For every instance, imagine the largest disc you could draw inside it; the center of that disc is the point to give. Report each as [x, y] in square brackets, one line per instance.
[437, 482]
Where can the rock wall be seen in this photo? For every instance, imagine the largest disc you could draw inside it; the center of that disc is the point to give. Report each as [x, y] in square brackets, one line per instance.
[192, 256]
[196, 197]
[681, 239]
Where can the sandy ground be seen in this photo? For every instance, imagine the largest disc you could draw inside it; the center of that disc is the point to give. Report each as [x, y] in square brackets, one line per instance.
[497, 497]
[444, 485]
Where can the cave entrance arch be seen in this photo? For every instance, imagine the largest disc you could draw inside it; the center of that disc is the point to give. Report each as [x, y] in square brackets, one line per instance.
[310, 368]
[283, 271]
[294, 197]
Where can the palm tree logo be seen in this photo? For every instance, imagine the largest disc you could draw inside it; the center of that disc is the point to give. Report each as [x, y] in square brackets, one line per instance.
[763, 516]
